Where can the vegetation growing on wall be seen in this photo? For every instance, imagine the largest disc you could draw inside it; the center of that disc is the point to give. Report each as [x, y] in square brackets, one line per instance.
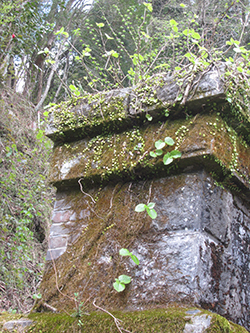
[25, 201]
[79, 54]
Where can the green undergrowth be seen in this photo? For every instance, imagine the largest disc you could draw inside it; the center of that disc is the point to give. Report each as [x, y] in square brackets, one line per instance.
[25, 201]
[171, 320]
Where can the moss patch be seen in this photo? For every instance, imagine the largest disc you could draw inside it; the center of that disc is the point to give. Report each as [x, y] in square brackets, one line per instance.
[126, 155]
[170, 320]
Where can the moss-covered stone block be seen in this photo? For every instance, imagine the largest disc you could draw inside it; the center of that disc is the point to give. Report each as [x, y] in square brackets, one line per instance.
[196, 251]
[168, 320]
[204, 141]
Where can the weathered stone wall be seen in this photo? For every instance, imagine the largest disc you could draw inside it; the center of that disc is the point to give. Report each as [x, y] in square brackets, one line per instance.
[197, 249]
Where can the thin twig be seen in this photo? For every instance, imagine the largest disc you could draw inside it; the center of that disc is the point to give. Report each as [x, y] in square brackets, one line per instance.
[81, 188]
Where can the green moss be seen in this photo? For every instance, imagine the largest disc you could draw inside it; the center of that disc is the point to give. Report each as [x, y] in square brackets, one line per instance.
[221, 324]
[126, 155]
[169, 320]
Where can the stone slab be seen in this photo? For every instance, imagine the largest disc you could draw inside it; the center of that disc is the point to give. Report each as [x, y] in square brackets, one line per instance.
[122, 108]
[17, 325]
[204, 141]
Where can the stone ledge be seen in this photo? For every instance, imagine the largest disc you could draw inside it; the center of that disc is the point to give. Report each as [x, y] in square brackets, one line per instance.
[204, 141]
[117, 110]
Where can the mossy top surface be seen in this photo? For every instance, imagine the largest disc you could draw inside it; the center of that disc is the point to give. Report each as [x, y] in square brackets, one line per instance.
[114, 111]
[169, 320]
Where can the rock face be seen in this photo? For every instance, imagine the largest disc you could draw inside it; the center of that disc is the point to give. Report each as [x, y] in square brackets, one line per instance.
[17, 325]
[197, 249]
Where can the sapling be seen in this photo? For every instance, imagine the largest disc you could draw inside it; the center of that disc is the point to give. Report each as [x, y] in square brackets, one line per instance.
[149, 208]
[120, 283]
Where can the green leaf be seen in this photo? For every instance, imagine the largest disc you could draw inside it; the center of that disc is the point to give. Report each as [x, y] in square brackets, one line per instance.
[118, 286]
[152, 213]
[124, 279]
[195, 35]
[149, 117]
[114, 54]
[175, 154]
[144, 34]
[152, 154]
[158, 152]
[124, 252]
[169, 141]
[173, 22]
[100, 25]
[159, 144]
[182, 5]
[40, 134]
[148, 6]
[135, 259]
[140, 208]
[72, 87]
[151, 205]
[167, 159]
[60, 31]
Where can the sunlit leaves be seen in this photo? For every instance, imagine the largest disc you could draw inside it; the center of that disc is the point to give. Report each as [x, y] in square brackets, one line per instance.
[148, 6]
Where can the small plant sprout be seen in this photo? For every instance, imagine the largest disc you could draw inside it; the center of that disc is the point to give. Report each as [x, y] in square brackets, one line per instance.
[119, 284]
[37, 296]
[170, 156]
[149, 117]
[125, 252]
[149, 208]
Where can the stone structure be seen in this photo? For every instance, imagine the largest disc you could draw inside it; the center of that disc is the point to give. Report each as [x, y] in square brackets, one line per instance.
[197, 249]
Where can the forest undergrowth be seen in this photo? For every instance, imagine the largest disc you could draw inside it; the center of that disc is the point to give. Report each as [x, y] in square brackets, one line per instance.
[25, 201]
